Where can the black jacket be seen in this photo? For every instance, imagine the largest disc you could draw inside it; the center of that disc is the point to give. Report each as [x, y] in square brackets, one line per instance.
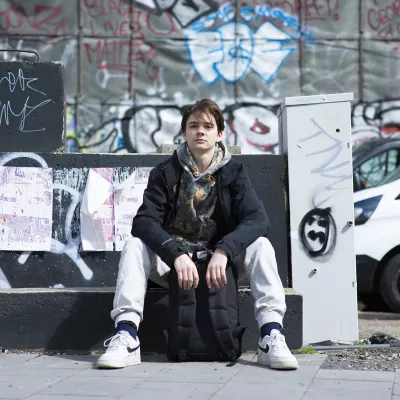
[239, 214]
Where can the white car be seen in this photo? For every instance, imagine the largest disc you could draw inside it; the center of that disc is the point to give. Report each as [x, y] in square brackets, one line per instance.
[377, 240]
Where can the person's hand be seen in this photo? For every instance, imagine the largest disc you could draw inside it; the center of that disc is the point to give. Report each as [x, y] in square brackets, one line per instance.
[216, 270]
[187, 272]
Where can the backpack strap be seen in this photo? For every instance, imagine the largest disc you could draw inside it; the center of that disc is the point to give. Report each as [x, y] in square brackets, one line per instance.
[186, 321]
[219, 319]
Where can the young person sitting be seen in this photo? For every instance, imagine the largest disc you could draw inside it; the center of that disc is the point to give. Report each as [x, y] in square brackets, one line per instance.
[198, 197]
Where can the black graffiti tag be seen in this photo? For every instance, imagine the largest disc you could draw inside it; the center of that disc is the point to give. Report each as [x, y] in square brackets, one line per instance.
[317, 232]
[8, 111]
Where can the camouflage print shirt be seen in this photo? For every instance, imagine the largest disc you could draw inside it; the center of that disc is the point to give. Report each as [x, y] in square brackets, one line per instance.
[192, 225]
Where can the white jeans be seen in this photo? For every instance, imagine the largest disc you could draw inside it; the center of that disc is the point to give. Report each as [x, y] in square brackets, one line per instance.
[138, 264]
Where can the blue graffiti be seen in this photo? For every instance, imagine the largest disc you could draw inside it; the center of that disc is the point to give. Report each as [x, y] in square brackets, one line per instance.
[227, 13]
[234, 48]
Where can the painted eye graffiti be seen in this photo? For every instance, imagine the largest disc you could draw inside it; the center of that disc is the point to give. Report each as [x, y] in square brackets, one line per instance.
[388, 130]
[259, 127]
[317, 232]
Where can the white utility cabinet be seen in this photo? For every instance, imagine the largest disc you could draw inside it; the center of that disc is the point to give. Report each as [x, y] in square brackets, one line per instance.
[315, 135]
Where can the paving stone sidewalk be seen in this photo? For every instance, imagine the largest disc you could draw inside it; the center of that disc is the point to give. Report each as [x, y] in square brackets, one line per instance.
[60, 377]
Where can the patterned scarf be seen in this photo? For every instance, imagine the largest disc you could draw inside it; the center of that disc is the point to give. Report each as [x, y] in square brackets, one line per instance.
[192, 225]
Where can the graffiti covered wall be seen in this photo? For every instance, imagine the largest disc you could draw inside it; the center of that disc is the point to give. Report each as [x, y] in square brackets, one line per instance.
[66, 263]
[131, 66]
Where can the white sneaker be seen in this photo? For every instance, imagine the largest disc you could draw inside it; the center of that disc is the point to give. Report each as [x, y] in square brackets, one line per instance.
[273, 352]
[122, 350]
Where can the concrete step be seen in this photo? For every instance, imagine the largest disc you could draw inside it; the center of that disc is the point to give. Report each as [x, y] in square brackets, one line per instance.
[79, 319]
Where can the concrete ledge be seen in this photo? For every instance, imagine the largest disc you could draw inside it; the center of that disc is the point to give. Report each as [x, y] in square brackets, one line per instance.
[78, 319]
[168, 148]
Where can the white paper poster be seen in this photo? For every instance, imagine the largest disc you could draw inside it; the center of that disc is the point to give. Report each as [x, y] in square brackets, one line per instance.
[26, 208]
[128, 197]
[97, 212]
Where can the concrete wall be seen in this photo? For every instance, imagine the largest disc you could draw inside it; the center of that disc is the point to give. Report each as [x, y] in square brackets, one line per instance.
[132, 65]
[66, 265]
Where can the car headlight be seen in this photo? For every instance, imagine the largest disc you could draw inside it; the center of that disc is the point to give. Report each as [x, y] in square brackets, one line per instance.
[364, 209]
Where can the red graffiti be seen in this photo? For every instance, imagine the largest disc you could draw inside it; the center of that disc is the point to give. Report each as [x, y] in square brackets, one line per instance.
[389, 130]
[122, 56]
[118, 19]
[385, 20]
[259, 127]
[319, 10]
[135, 24]
[113, 52]
[112, 18]
[45, 19]
[97, 8]
[112, 28]
[149, 22]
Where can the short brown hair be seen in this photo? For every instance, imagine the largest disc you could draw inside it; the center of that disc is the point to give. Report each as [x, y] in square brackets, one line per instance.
[204, 106]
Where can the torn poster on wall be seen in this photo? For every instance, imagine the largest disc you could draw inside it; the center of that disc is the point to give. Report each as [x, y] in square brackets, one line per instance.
[26, 208]
[97, 211]
[127, 200]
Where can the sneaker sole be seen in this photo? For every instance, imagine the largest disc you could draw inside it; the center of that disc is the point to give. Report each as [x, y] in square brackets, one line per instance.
[280, 365]
[285, 366]
[118, 364]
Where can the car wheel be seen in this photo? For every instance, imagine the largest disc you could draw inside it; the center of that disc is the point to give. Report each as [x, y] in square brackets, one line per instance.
[372, 302]
[390, 284]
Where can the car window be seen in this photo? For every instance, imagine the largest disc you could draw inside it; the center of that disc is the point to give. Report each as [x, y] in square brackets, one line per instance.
[393, 176]
[375, 169]
[393, 160]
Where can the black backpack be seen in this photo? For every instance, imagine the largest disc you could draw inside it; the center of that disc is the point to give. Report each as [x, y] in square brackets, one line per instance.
[204, 323]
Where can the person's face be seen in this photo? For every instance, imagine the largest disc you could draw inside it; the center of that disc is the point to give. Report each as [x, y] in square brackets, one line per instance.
[201, 133]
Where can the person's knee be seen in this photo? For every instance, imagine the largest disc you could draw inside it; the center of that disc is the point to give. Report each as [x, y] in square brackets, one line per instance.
[133, 255]
[133, 248]
[263, 244]
[133, 243]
